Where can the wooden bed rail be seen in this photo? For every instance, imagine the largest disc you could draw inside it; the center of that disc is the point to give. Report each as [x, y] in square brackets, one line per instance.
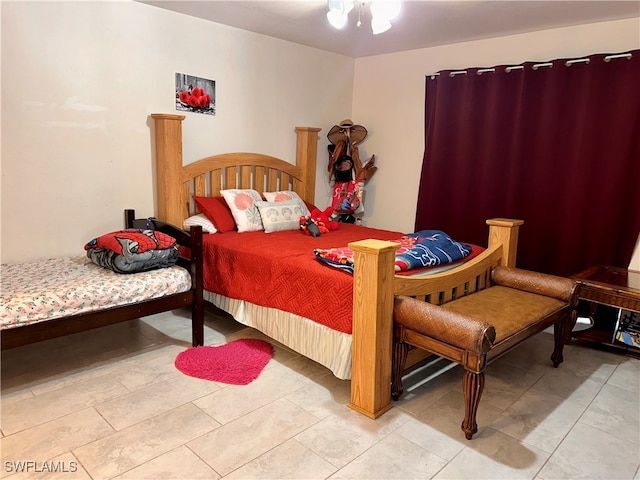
[375, 286]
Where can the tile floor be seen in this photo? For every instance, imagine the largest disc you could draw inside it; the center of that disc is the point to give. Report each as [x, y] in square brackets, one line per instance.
[109, 403]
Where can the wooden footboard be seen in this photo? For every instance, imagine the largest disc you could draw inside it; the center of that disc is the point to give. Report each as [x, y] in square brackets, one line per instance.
[375, 286]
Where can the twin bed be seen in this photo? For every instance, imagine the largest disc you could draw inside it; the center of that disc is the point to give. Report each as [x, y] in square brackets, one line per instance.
[273, 282]
[58, 296]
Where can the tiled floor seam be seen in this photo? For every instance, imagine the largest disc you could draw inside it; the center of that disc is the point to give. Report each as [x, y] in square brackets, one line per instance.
[186, 445]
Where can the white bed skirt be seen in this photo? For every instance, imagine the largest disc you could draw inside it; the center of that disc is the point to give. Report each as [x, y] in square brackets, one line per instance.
[313, 340]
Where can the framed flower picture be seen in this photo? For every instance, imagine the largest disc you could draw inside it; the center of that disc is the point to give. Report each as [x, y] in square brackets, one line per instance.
[195, 94]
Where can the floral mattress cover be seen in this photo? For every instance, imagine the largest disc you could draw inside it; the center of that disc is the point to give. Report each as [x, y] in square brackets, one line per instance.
[59, 287]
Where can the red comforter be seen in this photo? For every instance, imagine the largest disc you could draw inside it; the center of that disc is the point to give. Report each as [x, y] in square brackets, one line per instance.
[279, 270]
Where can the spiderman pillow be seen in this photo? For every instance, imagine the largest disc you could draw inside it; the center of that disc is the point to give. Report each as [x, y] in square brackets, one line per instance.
[133, 250]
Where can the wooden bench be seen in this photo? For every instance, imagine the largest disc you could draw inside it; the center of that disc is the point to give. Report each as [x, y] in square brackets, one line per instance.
[481, 319]
[14, 335]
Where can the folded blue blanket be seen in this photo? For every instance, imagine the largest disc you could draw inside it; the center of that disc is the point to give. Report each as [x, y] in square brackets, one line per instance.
[429, 248]
[426, 248]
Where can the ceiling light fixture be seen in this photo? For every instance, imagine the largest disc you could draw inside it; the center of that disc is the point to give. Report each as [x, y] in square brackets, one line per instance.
[382, 12]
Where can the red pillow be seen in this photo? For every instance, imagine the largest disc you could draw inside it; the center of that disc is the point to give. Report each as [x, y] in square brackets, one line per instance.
[217, 210]
[310, 206]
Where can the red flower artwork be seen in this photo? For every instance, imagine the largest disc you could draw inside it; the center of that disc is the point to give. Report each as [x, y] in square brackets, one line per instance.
[197, 98]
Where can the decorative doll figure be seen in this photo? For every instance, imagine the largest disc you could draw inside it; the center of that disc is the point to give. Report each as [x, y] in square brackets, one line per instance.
[346, 171]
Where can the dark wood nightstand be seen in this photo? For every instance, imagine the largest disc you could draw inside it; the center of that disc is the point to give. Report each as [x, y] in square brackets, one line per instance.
[614, 287]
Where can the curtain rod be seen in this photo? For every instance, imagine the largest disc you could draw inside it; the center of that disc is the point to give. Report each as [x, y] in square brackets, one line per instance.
[568, 63]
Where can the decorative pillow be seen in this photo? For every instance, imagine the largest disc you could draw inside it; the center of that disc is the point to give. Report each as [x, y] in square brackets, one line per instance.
[242, 204]
[133, 250]
[279, 216]
[217, 210]
[200, 220]
[286, 195]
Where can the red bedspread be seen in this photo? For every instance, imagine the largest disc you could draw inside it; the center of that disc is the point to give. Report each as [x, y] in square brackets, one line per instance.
[279, 270]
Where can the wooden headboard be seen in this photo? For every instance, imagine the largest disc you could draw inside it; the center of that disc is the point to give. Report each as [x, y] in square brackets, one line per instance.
[176, 184]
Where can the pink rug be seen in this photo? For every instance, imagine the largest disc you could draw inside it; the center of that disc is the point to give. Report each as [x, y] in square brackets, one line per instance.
[237, 363]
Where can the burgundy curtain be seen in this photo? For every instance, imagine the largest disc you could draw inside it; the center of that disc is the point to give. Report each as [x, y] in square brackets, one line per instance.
[554, 144]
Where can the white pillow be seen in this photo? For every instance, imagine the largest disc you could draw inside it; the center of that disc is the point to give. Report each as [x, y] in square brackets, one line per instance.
[202, 220]
[285, 195]
[279, 216]
[242, 204]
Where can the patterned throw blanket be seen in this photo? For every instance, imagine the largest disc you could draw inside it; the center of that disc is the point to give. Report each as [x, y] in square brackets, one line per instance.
[133, 250]
[426, 248]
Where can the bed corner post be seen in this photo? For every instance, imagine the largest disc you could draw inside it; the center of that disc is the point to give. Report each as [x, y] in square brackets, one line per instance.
[306, 155]
[168, 143]
[372, 332]
[505, 231]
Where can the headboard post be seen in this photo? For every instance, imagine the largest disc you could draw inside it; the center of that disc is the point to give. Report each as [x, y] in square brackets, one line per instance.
[505, 231]
[168, 140]
[306, 155]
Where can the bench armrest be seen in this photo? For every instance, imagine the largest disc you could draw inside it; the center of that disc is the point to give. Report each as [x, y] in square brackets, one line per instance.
[553, 286]
[444, 325]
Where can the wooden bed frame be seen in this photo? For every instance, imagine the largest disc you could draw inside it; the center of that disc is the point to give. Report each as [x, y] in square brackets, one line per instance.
[47, 329]
[375, 282]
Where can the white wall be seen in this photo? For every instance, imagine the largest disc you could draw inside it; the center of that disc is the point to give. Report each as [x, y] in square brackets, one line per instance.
[388, 99]
[79, 80]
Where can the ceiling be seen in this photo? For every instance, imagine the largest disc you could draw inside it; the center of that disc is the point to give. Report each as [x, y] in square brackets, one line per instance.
[421, 23]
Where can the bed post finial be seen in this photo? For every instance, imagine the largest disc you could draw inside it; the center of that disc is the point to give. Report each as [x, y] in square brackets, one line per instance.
[306, 155]
[168, 143]
[505, 231]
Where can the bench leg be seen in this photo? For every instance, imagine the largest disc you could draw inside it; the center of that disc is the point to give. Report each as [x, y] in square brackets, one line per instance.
[561, 334]
[472, 387]
[400, 354]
